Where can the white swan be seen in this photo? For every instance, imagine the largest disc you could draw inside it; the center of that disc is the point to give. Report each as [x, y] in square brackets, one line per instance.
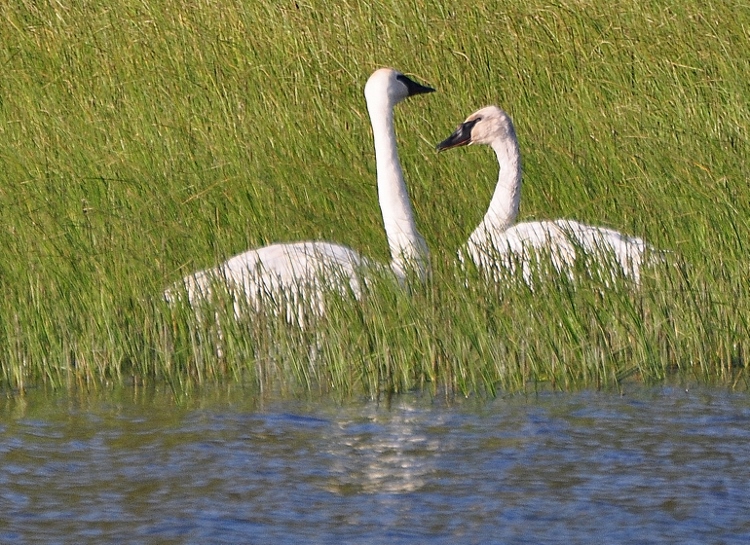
[297, 275]
[499, 244]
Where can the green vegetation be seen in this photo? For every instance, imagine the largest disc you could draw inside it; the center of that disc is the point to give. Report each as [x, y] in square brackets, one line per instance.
[141, 140]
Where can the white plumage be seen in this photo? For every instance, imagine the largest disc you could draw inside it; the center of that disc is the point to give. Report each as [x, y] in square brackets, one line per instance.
[295, 277]
[500, 244]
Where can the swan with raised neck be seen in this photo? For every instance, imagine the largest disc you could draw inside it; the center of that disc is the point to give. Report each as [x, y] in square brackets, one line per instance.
[305, 270]
[498, 242]
[386, 88]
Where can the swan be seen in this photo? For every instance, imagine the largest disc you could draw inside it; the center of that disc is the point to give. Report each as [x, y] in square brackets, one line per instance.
[297, 275]
[498, 242]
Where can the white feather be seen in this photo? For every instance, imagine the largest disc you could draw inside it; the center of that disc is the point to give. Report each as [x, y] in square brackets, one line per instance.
[498, 243]
[297, 275]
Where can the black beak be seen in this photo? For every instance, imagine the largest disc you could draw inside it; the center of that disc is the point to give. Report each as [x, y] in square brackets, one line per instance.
[414, 87]
[460, 137]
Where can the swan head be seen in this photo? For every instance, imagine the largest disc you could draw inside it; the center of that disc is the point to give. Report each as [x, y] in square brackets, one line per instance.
[390, 87]
[485, 126]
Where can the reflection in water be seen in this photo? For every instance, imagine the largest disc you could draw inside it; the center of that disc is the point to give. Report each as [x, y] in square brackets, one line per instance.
[378, 452]
[665, 466]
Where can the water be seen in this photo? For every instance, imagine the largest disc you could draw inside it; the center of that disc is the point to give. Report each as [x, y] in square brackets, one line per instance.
[653, 466]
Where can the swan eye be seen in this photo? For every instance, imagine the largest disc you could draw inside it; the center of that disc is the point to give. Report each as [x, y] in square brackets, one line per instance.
[469, 125]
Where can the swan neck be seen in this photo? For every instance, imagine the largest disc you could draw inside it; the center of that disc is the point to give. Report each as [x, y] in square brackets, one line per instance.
[407, 247]
[506, 200]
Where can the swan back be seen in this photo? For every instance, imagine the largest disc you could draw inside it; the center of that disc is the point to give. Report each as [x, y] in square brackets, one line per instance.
[561, 243]
[290, 278]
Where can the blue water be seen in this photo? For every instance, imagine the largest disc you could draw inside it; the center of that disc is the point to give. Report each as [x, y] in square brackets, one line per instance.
[653, 466]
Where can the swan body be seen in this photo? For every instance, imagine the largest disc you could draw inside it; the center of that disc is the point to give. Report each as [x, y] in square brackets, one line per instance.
[499, 243]
[293, 277]
[297, 275]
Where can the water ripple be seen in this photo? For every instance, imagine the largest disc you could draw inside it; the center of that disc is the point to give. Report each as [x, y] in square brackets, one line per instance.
[658, 466]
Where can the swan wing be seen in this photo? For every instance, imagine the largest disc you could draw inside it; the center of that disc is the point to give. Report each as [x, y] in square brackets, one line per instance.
[295, 275]
[565, 243]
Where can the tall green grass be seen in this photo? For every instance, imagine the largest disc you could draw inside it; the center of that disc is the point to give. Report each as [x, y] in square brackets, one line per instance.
[140, 141]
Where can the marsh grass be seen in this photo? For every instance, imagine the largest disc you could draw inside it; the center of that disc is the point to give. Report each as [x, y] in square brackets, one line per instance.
[140, 141]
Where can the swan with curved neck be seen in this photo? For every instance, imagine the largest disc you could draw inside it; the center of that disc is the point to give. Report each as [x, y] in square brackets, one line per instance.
[499, 242]
[301, 272]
